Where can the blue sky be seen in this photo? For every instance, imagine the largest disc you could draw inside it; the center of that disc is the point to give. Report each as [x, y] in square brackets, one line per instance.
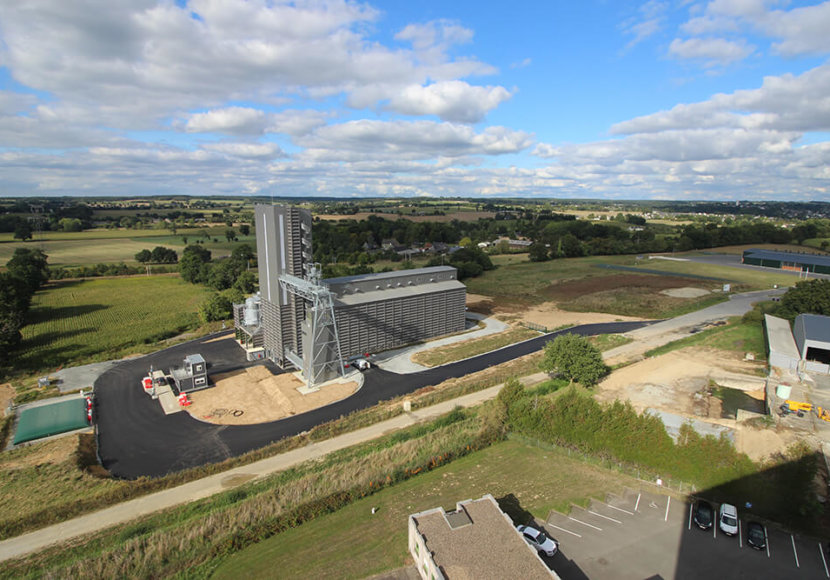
[721, 99]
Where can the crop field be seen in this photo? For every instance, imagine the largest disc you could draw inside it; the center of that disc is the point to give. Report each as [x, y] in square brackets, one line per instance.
[750, 278]
[108, 246]
[93, 320]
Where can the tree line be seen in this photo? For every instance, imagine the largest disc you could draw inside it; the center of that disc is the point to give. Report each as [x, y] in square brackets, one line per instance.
[25, 273]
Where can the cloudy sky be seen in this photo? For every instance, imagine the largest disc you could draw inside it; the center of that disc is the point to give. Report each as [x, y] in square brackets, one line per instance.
[726, 99]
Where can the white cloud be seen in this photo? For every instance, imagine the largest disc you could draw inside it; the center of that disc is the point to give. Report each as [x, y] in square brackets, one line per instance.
[233, 120]
[714, 51]
[246, 150]
[449, 100]
[783, 103]
[418, 140]
[649, 21]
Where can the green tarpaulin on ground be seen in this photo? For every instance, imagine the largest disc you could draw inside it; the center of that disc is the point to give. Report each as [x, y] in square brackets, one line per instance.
[37, 422]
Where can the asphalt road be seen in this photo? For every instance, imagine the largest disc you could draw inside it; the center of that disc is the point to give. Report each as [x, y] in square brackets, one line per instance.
[136, 438]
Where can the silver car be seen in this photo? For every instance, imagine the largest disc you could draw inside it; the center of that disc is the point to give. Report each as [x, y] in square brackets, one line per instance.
[538, 540]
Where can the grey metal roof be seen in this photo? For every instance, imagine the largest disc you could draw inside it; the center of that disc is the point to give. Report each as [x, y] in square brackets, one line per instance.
[385, 275]
[780, 337]
[813, 259]
[816, 327]
[402, 292]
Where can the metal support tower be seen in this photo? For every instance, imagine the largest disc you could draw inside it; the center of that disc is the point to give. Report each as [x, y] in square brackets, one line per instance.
[321, 354]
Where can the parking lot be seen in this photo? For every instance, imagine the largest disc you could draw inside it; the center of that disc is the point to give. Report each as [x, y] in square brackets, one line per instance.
[643, 535]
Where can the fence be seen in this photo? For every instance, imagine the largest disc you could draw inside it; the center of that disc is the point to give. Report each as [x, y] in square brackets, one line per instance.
[642, 475]
[534, 326]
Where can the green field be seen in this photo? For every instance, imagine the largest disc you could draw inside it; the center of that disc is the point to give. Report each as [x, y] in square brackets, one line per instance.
[81, 321]
[354, 543]
[108, 246]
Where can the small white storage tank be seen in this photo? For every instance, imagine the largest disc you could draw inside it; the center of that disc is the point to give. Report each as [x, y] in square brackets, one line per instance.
[251, 317]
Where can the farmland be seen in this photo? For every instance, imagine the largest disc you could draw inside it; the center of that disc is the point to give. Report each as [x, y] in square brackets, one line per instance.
[117, 245]
[82, 321]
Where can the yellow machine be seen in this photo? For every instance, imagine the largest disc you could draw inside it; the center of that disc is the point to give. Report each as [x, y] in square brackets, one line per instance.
[823, 414]
[796, 406]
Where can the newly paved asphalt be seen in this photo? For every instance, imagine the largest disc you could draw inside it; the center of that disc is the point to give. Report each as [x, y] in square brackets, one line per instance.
[137, 439]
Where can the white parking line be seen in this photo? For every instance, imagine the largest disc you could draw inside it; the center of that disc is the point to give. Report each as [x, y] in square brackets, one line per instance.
[714, 530]
[766, 540]
[740, 536]
[584, 523]
[637, 505]
[613, 507]
[823, 560]
[690, 516]
[606, 517]
[795, 552]
[564, 530]
[668, 504]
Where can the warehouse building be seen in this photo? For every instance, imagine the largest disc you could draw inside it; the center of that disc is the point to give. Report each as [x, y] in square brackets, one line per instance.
[299, 320]
[812, 338]
[792, 261]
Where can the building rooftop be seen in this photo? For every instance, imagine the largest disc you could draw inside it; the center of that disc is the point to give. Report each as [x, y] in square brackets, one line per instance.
[814, 259]
[781, 337]
[386, 275]
[816, 327]
[397, 292]
[478, 541]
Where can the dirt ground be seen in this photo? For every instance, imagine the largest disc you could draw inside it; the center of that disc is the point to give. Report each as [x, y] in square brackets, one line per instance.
[7, 393]
[255, 395]
[570, 289]
[677, 382]
[547, 314]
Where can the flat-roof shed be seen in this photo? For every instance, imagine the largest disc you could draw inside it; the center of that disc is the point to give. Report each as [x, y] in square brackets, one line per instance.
[812, 339]
[783, 352]
[52, 419]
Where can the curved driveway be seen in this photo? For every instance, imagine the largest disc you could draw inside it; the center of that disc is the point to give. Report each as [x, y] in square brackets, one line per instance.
[137, 439]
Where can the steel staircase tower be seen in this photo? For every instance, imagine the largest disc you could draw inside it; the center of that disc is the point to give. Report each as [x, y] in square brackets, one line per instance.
[321, 343]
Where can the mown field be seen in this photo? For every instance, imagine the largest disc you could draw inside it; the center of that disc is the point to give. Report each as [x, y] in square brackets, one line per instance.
[92, 320]
[326, 547]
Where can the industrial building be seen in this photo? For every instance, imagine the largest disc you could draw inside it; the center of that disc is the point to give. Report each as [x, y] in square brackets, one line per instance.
[300, 321]
[792, 261]
[805, 347]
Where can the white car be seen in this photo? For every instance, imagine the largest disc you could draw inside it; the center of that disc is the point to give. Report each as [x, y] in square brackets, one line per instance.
[728, 519]
[538, 540]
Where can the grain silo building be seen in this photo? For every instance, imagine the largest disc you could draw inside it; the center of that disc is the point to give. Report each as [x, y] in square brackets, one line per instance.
[301, 321]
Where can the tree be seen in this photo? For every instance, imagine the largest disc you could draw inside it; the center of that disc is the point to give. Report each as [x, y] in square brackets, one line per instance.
[230, 234]
[70, 224]
[23, 231]
[193, 265]
[244, 229]
[143, 256]
[162, 255]
[539, 253]
[30, 267]
[574, 358]
[217, 307]
[15, 299]
[808, 296]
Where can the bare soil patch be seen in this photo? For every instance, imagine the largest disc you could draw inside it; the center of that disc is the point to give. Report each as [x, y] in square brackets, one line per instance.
[571, 289]
[255, 395]
[7, 393]
[679, 382]
[549, 316]
[670, 382]
[687, 292]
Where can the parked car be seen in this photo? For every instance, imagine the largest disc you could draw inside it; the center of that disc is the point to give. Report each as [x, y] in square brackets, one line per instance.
[756, 535]
[538, 540]
[704, 515]
[728, 519]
